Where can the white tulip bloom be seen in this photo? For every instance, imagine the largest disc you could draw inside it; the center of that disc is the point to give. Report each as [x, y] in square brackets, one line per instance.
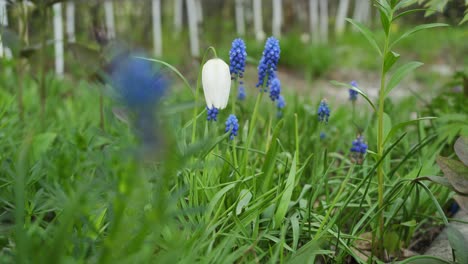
[216, 81]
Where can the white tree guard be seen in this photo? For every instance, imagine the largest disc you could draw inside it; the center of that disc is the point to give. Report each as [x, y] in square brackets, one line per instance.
[157, 32]
[314, 20]
[362, 11]
[240, 20]
[323, 4]
[58, 39]
[4, 51]
[199, 10]
[193, 28]
[178, 12]
[110, 21]
[277, 18]
[70, 13]
[341, 13]
[258, 20]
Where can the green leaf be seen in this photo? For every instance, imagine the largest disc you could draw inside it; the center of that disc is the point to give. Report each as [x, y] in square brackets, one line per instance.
[390, 59]
[461, 148]
[270, 159]
[367, 34]
[456, 172]
[402, 14]
[416, 29]
[296, 230]
[465, 18]
[244, 198]
[306, 254]
[286, 197]
[349, 86]
[404, 124]
[385, 22]
[42, 143]
[391, 242]
[436, 179]
[399, 74]
[458, 242]
[217, 197]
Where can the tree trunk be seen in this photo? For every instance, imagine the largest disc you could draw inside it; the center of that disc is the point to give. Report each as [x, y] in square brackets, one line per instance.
[277, 18]
[58, 39]
[157, 31]
[178, 12]
[340, 23]
[258, 20]
[70, 12]
[240, 22]
[110, 22]
[314, 20]
[4, 51]
[323, 21]
[193, 28]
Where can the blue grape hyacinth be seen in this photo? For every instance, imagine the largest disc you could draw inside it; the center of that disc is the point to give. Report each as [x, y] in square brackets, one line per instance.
[280, 104]
[212, 114]
[275, 89]
[323, 111]
[237, 58]
[352, 93]
[241, 93]
[232, 126]
[137, 83]
[358, 149]
[269, 62]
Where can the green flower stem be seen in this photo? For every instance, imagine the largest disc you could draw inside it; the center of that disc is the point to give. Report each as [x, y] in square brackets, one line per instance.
[380, 150]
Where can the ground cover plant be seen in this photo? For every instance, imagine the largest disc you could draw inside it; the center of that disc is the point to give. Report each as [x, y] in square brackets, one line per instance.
[145, 165]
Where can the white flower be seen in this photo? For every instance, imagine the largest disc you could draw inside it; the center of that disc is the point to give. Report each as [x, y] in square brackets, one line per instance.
[216, 80]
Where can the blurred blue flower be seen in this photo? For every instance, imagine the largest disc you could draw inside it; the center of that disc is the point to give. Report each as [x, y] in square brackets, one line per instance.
[358, 149]
[241, 93]
[137, 83]
[269, 62]
[232, 125]
[281, 102]
[352, 93]
[359, 146]
[212, 114]
[237, 58]
[323, 111]
[275, 89]
[323, 136]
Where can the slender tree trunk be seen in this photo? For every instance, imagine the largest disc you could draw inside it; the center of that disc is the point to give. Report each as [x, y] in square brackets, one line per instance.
[4, 51]
[199, 11]
[178, 12]
[157, 31]
[314, 20]
[258, 20]
[340, 23]
[323, 21]
[110, 22]
[70, 12]
[240, 22]
[193, 28]
[277, 18]
[58, 39]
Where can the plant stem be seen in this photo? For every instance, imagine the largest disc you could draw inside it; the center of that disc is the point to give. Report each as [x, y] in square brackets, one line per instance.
[380, 149]
[250, 132]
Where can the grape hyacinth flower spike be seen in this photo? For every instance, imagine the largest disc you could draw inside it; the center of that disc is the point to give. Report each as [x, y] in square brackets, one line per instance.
[280, 104]
[352, 93]
[358, 149]
[323, 111]
[269, 62]
[275, 89]
[237, 59]
[232, 126]
[216, 81]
